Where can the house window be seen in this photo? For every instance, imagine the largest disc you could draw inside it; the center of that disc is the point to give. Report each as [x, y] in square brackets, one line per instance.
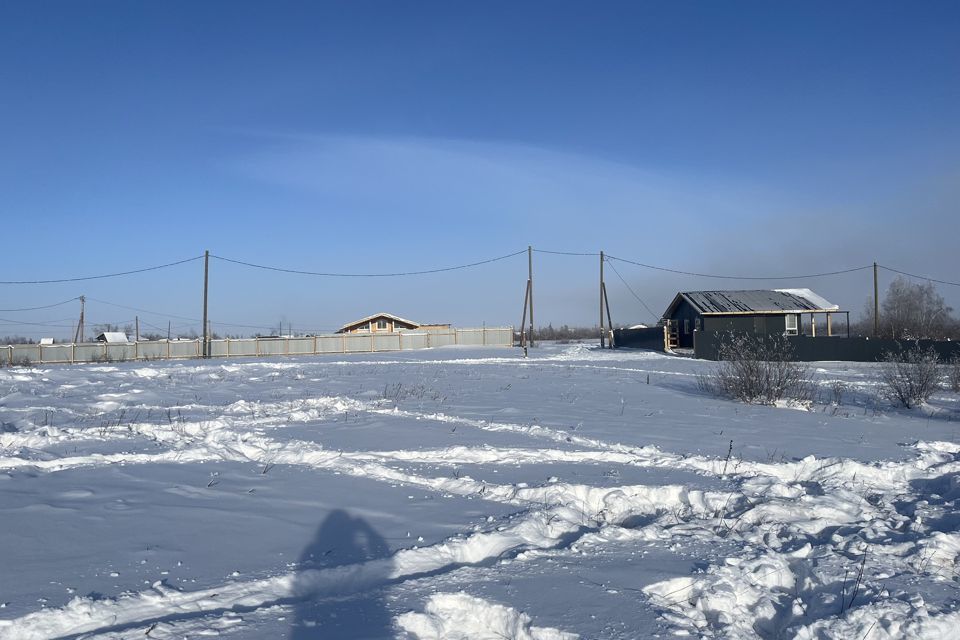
[364, 327]
[791, 324]
[381, 324]
[696, 324]
[686, 325]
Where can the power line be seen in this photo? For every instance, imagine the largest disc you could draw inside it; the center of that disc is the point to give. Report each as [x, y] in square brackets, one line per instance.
[155, 313]
[100, 277]
[566, 253]
[48, 323]
[630, 289]
[367, 275]
[48, 306]
[910, 275]
[711, 275]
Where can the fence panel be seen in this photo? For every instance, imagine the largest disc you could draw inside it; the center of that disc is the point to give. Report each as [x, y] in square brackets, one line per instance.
[411, 341]
[56, 353]
[121, 352]
[442, 338]
[300, 346]
[833, 348]
[330, 344]
[358, 342]
[25, 353]
[184, 348]
[386, 342]
[218, 348]
[152, 350]
[272, 346]
[88, 352]
[242, 347]
[500, 336]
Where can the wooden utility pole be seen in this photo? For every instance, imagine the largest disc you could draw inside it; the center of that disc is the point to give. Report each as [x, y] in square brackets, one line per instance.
[602, 332]
[523, 320]
[137, 321]
[606, 302]
[168, 331]
[876, 304]
[78, 336]
[530, 288]
[206, 332]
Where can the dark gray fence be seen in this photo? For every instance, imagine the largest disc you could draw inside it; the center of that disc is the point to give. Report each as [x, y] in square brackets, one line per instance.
[706, 345]
[646, 338]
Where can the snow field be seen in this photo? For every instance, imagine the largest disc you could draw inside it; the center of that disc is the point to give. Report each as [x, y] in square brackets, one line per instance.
[799, 544]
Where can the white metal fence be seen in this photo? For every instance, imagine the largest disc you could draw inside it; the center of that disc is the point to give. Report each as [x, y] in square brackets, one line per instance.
[24, 354]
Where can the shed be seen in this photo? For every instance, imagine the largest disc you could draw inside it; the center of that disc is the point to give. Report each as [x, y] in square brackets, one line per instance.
[764, 311]
[112, 337]
[379, 323]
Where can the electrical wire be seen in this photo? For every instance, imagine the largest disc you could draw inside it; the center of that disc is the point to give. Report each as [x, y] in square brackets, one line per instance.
[567, 253]
[367, 275]
[910, 275]
[155, 313]
[48, 323]
[105, 275]
[630, 289]
[48, 306]
[711, 275]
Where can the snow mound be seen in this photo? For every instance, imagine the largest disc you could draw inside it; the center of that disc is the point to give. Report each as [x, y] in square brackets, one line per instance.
[458, 616]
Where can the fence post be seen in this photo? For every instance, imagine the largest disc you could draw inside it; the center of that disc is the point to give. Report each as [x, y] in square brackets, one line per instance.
[314, 345]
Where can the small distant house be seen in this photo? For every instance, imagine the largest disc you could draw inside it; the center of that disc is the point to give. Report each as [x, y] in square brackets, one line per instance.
[45, 341]
[771, 312]
[113, 337]
[379, 323]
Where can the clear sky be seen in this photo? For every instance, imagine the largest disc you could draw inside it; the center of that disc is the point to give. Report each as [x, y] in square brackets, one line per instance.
[743, 138]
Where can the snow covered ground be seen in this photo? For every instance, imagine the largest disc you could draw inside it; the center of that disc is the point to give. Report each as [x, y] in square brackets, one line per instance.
[469, 493]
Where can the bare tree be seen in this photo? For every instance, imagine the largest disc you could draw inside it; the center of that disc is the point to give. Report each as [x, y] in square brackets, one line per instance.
[911, 311]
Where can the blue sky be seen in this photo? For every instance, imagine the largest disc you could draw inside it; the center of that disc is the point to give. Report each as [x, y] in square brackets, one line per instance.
[733, 138]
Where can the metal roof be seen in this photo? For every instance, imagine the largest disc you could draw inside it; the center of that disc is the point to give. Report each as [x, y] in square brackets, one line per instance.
[112, 336]
[377, 316]
[752, 301]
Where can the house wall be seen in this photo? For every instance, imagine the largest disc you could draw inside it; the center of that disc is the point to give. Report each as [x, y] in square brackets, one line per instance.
[769, 324]
[391, 327]
[685, 318]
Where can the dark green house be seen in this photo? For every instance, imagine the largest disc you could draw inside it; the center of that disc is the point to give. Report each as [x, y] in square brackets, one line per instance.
[765, 311]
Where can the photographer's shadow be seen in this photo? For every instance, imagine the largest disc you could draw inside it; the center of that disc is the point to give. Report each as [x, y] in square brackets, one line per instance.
[340, 576]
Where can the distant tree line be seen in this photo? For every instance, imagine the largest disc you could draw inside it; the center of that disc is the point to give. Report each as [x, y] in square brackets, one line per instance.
[910, 311]
[565, 332]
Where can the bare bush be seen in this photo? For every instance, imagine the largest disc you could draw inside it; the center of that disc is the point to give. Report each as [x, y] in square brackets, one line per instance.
[758, 369]
[910, 376]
